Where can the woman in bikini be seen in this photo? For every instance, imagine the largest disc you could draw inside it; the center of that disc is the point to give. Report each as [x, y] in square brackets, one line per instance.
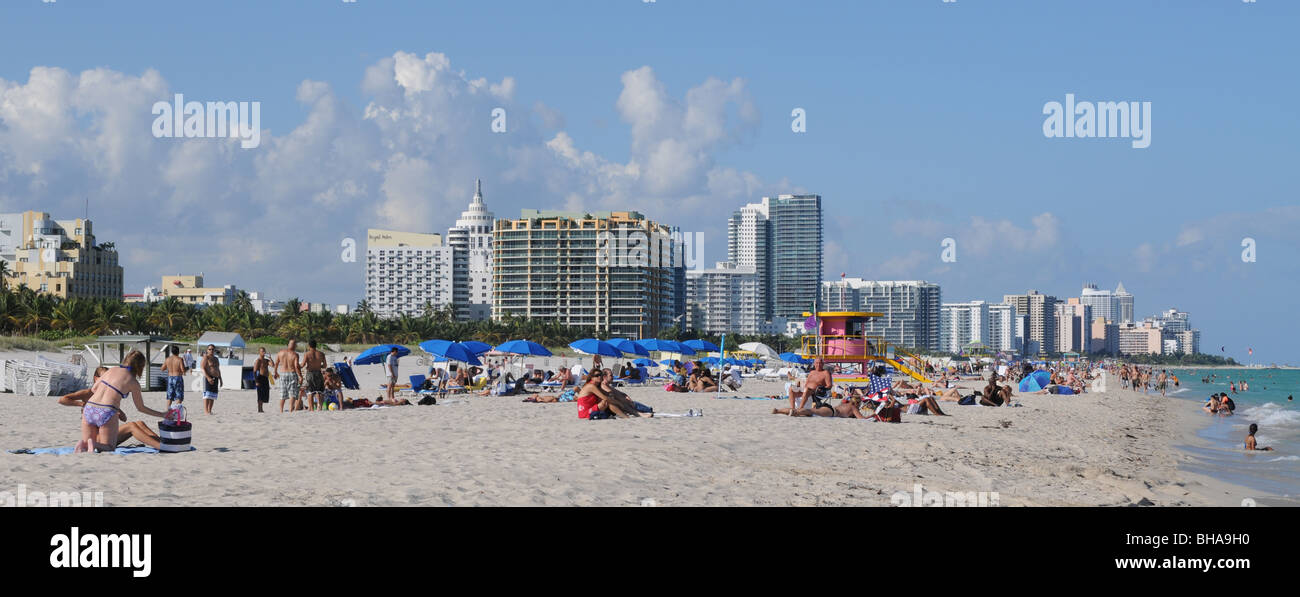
[611, 402]
[99, 417]
[127, 429]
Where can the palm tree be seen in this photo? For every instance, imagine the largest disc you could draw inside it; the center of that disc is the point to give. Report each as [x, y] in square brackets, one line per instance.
[242, 302]
[4, 275]
[135, 319]
[170, 315]
[292, 308]
[108, 317]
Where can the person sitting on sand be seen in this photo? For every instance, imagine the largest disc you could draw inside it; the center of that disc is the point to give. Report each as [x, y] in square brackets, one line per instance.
[1250, 440]
[993, 395]
[816, 387]
[333, 389]
[607, 402]
[100, 413]
[702, 381]
[128, 429]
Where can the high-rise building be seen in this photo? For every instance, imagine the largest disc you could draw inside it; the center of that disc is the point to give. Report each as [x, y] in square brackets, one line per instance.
[406, 270]
[58, 257]
[1002, 329]
[609, 272]
[1123, 305]
[910, 309]
[1103, 302]
[1140, 339]
[781, 239]
[724, 299]
[1073, 326]
[471, 243]
[1189, 341]
[961, 324]
[1105, 336]
[1041, 309]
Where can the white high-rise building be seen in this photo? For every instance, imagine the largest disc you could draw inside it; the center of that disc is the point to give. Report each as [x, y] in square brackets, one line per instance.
[724, 299]
[1002, 328]
[404, 270]
[781, 239]
[961, 324]
[1103, 302]
[910, 309]
[471, 243]
[1123, 305]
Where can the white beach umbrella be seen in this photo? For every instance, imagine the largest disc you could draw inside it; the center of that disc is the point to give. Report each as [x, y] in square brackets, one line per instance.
[761, 350]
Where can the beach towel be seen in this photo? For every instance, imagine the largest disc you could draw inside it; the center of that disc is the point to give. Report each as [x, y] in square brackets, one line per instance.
[70, 450]
[746, 398]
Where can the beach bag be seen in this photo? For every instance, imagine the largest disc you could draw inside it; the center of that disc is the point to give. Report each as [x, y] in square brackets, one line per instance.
[968, 401]
[587, 405]
[891, 414]
[174, 432]
[670, 387]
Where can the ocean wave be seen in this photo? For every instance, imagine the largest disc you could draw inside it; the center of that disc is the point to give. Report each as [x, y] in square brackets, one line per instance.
[1272, 415]
[1285, 458]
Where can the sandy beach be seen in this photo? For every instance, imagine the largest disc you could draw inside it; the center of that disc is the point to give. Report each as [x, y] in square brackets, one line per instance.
[1115, 449]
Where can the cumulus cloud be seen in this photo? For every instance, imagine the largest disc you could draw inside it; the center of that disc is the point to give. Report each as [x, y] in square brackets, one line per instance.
[405, 159]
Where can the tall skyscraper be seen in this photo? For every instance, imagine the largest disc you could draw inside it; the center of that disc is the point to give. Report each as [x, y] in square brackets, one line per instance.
[1103, 302]
[1002, 328]
[1073, 327]
[58, 257]
[781, 239]
[471, 243]
[910, 309]
[1123, 305]
[1041, 310]
[406, 270]
[608, 272]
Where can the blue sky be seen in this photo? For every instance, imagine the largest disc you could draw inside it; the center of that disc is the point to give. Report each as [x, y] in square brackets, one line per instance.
[924, 122]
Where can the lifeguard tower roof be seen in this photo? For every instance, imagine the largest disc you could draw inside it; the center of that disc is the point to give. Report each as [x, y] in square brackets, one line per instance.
[844, 314]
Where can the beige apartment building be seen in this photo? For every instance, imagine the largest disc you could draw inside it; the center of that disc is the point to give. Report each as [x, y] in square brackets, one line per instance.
[58, 257]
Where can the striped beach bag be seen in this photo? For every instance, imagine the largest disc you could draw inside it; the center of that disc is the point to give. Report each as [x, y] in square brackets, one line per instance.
[174, 431]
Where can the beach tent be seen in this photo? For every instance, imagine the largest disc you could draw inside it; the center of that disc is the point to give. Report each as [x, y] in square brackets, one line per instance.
[1035, 381]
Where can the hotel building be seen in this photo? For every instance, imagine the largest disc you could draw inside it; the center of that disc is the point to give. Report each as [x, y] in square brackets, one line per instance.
[58, 257]
[406, 270]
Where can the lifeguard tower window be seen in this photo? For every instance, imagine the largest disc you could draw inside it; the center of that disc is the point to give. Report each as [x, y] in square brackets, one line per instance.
[854, 328]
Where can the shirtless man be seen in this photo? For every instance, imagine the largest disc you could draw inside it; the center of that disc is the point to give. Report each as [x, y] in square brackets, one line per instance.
[313, 364]
[262, 377]
[286, 361]
[174, 368]
[211, 378]
[817, 387]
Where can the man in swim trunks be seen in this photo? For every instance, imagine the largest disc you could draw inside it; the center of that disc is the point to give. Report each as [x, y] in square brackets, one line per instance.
[313, 365]
[174, 367]
[817, 387]
[286, 361]
[211, 378]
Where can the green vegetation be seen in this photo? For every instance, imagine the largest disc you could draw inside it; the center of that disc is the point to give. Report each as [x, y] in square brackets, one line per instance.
[24, 343]
[27, 313]
[1180, 359]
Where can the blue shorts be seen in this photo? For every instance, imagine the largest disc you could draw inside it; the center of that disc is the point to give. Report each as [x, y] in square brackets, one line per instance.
[209, 390]
[175, 388]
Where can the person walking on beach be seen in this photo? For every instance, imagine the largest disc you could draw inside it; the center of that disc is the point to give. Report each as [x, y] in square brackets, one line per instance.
[188, 360]
[261, 376]
[390, 369]
[211, 378]
[1250, 440]
[174, 368]
[286, 361]
[313, 364]
[1162, 382]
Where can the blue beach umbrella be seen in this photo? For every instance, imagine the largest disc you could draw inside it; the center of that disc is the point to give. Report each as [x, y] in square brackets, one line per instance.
[626, 346]
[524, 347]
[701, 345]
[1035, 381]
[476, 347]
[377, 354]
[594, 346]
[666, 346]
[668, 362]
[791, 357]
[709, 360]
[644, 362]
[453, 351]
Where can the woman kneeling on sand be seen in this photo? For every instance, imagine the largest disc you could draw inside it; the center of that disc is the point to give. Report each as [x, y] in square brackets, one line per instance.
[610, 402]
[128, 429]
[101, 409]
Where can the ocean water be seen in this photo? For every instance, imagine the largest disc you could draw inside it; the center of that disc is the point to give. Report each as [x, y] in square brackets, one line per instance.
[1275, 473]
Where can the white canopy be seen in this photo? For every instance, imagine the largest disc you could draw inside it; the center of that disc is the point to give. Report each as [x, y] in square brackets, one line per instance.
[221, 340]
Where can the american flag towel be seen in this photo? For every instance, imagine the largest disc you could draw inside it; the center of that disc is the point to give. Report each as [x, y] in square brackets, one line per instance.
[878, 386]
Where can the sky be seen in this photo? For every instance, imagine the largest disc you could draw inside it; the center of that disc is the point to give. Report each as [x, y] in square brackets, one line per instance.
[924, 121]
